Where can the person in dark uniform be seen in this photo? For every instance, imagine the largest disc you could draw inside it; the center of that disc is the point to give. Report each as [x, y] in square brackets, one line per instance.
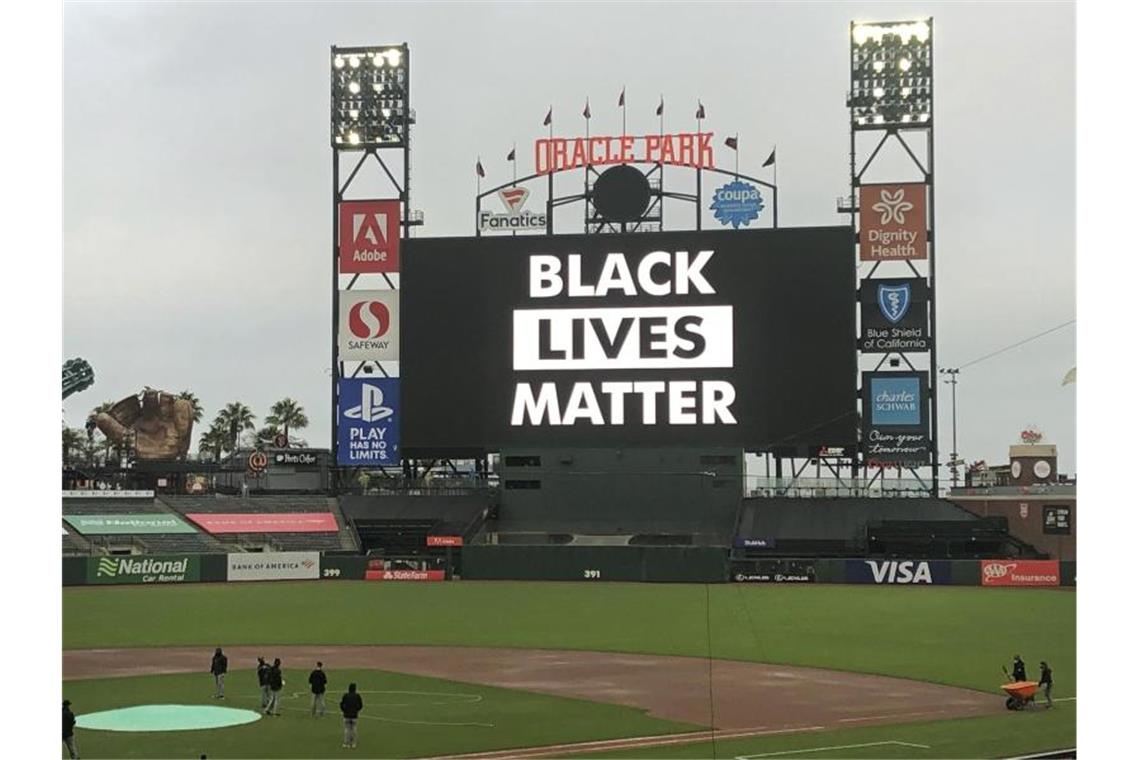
[69, 730]
[350, 706]
[1046, 680]
[218, 667]
[318, 681]
[263, 681]
[1018, 668]
[276, 682]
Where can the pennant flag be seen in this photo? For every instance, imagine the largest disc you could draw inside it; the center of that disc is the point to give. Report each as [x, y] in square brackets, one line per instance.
[730, 142]
[661, 106]
[771, 159]
[549, 116]
[621, 99]
[511, 155]
[586, 111]
[479, 168]
[1070, 377]
[700, 110]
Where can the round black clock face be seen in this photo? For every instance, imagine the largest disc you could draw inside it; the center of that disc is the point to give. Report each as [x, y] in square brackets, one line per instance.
[621, 194]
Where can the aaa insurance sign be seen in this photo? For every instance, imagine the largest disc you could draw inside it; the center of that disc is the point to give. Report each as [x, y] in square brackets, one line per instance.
[368, 422]
[369, 236]
[369, 325]
[892, 222]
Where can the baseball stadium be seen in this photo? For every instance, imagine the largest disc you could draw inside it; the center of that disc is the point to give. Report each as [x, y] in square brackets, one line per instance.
[631, 468]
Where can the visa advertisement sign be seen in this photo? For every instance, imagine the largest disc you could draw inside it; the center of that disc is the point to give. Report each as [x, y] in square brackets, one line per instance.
[898, 572]
[368, 422]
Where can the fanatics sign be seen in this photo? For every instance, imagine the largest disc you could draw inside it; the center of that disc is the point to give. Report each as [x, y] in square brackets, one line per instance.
[369, 233]
[682, 338]
[892, 222]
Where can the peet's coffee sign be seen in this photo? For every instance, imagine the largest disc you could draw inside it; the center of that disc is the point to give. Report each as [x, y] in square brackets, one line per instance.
[294, 458]
[893, 316]
[558, 154]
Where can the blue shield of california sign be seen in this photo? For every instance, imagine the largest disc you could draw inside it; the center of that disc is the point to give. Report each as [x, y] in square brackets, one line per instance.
[368, 421]
[894, 301]
[737, 203]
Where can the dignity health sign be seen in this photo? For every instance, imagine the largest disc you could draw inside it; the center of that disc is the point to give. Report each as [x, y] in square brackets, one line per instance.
[694, 338]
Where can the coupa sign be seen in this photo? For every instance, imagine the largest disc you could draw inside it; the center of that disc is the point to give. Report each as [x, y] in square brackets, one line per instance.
[143, 569]
[908, 572]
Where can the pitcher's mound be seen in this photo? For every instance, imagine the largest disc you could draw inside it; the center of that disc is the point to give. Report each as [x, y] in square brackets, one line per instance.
[166, 718]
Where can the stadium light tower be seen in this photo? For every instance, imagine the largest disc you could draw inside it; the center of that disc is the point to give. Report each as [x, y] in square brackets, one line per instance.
[891, 97]
[370, 126]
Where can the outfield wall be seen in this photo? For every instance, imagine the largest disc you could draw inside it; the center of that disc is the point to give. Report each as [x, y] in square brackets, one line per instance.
[654, 564]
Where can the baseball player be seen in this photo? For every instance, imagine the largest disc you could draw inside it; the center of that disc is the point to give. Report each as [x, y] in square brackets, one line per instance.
[263, 681]
[218, 667]
[276, 683]
[350, 706]
[69, 730]
[318, 681]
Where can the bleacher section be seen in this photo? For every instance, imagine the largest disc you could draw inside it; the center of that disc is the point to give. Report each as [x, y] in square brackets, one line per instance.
[344, 540]
[401, 524]
[854, 527]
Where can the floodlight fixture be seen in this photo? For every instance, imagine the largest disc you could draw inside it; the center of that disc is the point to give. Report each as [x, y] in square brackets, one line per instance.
[892, 65]
[370, 97]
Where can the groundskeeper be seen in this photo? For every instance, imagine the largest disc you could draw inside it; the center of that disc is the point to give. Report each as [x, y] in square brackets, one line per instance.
[218, 667]
[69, 729]
[263, 681]
[1018, 668]
[318, 681]
[276, 683]
[1046, 681]
[350, 706]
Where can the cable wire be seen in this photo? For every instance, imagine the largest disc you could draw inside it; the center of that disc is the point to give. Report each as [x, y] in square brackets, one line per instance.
[1015, 345]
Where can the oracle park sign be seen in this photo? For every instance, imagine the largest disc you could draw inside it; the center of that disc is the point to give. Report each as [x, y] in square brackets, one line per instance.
[728, 338]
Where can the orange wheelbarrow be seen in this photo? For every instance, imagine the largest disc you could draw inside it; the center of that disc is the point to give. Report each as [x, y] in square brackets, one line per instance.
[1019, 694]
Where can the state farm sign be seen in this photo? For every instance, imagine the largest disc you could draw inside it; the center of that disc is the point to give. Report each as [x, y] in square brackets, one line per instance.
[892, 222]
[369, 236]
[1021, 572]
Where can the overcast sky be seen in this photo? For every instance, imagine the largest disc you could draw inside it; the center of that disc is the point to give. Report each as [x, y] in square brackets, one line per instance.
[197, 170]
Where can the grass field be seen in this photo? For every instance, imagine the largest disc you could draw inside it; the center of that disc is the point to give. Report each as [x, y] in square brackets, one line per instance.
[954, 635]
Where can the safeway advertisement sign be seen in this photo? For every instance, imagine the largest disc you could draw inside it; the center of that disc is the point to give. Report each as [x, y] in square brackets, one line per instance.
[1021, 572]
[274, 566]
[892, 222]
[369, 236]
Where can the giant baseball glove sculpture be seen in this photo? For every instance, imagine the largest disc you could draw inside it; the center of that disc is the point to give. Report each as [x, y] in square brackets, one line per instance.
[159, 421]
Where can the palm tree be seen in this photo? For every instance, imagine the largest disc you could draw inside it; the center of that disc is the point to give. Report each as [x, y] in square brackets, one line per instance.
[195, 404]
[287, 413]
[235, 418]
[214, 440]
[73, 440]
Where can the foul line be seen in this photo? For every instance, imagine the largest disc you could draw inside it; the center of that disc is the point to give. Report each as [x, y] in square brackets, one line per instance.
[837, 746]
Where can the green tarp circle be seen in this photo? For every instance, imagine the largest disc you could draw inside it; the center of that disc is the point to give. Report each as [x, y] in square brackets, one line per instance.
[166, 718]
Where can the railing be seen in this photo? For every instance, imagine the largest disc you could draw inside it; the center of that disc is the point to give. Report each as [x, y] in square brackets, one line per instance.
[828, 488]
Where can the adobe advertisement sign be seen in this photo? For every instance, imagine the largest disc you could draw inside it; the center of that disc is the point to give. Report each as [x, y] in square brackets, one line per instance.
[893, 315]
[898, 572]
[677, 338]
[369, 327]
[368, 235]
[1021, 572]
[896, 419]
[291, 522]
[368, 421]
[273, 566]
[892, 222]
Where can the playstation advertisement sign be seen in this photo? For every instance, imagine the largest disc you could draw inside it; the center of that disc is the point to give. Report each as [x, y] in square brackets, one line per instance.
[368, 422]
[893, 315]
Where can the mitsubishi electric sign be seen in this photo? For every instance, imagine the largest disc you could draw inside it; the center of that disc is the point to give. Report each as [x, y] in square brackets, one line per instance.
[368, 421]
[736, 338]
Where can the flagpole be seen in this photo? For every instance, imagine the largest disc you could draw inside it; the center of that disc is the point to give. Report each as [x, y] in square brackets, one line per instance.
[623, 111]
[737, 152]
[515, 163]
[550, 180]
